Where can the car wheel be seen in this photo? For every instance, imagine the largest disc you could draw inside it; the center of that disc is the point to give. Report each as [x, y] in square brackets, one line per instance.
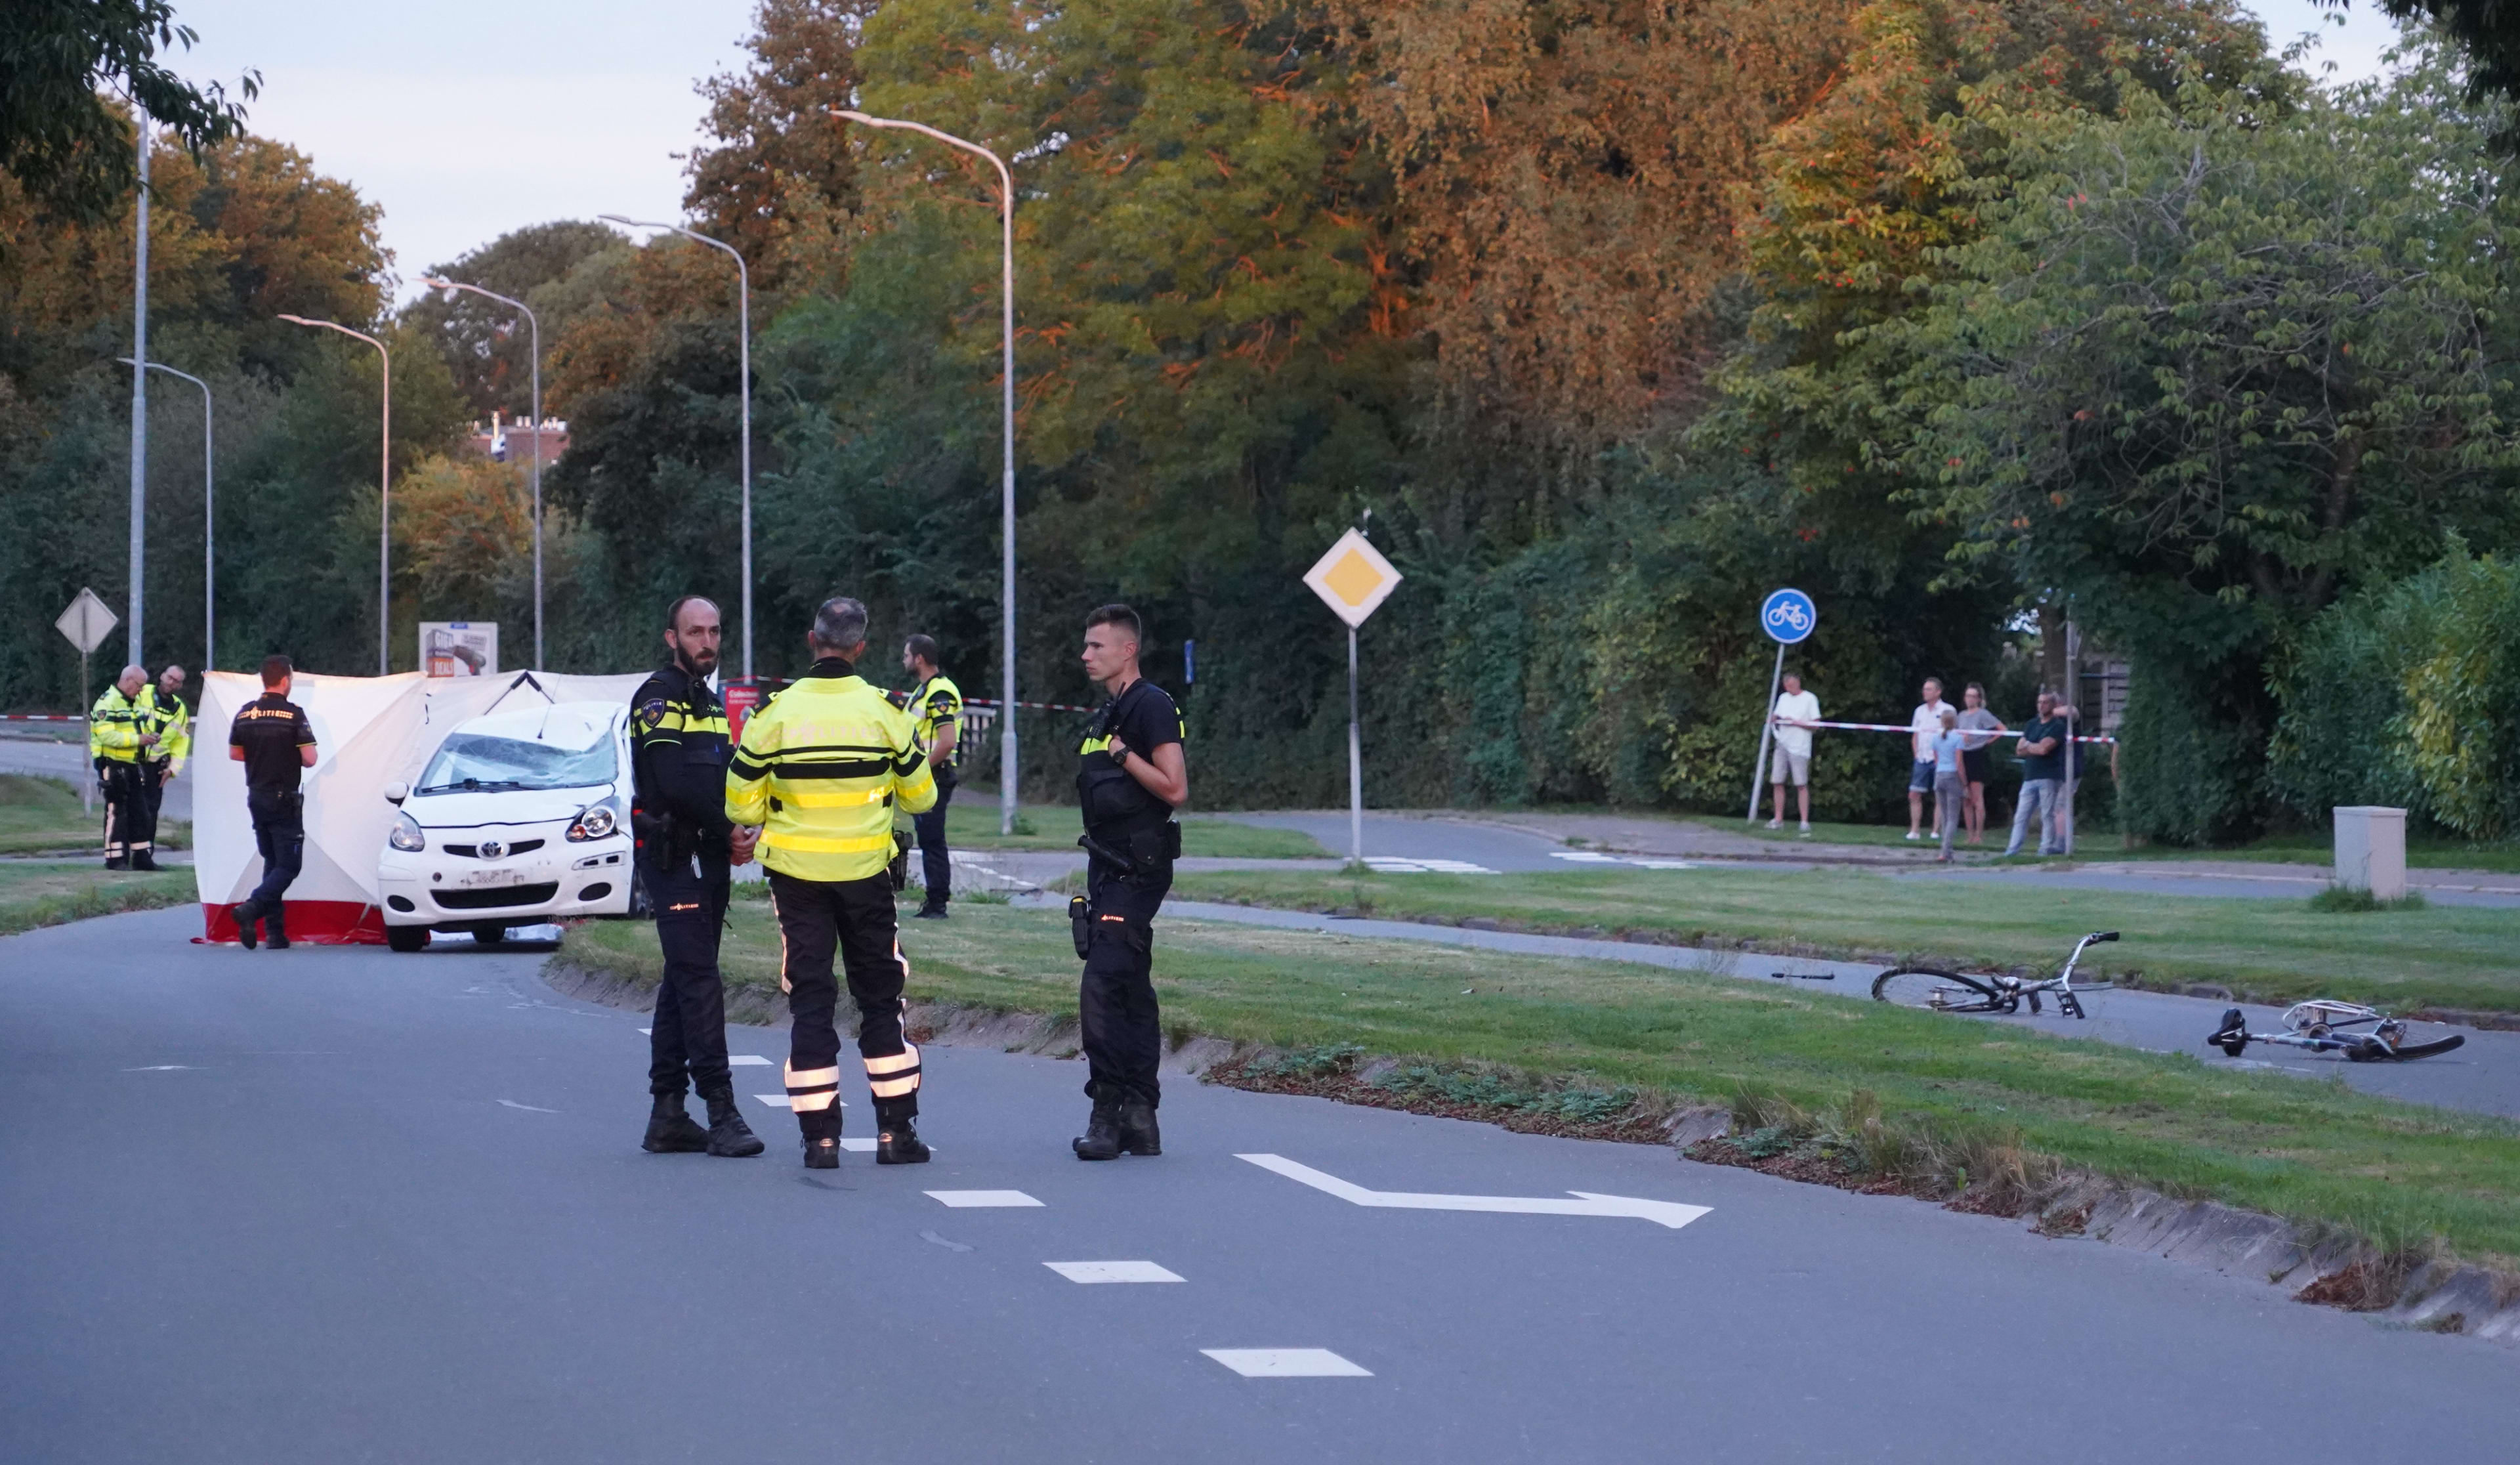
[406, 937]
[489, 936]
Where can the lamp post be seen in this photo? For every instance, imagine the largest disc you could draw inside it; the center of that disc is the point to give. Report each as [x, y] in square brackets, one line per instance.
[139, 388]
[1006, 434]
[209, 485]
[743, 337]
[534, 330]
[384, 482]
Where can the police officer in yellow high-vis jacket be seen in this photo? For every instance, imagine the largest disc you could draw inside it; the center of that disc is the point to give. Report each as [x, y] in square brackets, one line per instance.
[121, 735]
[820, 771]
[172, 721]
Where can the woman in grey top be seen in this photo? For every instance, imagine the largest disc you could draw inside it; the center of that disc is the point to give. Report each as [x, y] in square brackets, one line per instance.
[1978, 722]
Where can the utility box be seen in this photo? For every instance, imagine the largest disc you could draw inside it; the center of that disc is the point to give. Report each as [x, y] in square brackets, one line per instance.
[2371, 850]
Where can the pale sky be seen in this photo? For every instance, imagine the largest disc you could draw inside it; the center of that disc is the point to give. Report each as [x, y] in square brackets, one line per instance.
[467, 119]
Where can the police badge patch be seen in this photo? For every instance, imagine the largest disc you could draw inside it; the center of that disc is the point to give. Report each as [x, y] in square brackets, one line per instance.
[651, 714]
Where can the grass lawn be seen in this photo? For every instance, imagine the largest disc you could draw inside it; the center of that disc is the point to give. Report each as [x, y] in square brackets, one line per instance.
[2397, 1173]
[2271, 950]
[972, 824]
[38, 894]
[39, 814]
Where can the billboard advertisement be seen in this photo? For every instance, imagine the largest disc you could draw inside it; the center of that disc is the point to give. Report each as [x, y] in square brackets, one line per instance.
[459, 648]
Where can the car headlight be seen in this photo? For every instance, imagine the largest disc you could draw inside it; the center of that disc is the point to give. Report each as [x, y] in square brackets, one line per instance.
[596, 820]
[406, 836]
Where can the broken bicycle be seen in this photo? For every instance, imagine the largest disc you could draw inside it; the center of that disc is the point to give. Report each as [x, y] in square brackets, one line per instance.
[2324, 1025]
[1938, 990]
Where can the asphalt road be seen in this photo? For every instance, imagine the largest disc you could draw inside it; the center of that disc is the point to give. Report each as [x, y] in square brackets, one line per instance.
[70, 760]
[341, 1205]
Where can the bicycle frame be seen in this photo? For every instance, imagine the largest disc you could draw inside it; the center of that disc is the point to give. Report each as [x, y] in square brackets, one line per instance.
[2062, 984]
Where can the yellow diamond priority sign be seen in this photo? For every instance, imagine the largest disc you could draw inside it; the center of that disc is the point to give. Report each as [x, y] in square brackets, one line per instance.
[1353, 578]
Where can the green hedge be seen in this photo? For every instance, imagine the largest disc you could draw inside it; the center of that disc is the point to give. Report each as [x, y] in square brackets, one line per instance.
[2408, 695]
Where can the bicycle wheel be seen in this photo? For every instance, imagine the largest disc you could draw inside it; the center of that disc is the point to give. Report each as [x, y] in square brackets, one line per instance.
[1935, 992]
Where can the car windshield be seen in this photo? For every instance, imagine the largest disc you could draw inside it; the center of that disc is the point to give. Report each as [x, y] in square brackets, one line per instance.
[469, 763]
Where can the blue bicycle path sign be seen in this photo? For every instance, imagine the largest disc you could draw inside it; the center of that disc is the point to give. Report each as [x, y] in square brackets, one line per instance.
[1788, 616]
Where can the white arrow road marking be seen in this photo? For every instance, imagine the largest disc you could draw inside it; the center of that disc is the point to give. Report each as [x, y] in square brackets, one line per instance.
[1671, 1214]
[527, 1108]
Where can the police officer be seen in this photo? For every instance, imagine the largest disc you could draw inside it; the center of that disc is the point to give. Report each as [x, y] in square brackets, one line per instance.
[1130, 778]
[275, 742]
[935, 708]
[678, 767]
[121, 735]
[172, 721]
[819, 772]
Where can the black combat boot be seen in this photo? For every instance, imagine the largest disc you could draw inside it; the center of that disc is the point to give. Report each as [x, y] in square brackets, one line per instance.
[145, 861]
[898, 1142]
[275, 930]
[933, 910]
[822, 1130]
[117, 862]
[729, 1136]
[1102, 1137]
[245, 916]
[1138, 1132]
[670, 1131]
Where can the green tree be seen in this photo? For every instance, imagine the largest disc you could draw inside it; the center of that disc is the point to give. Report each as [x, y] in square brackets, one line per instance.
[486, 343]
[2204, 371]
[67, 144]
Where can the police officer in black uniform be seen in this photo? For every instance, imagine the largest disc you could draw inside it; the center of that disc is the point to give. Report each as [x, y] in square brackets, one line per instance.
[1130, 778]
[274, 739]
[678, 763]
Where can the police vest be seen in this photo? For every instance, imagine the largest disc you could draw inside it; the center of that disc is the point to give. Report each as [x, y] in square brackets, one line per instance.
[935, 703]
[172, 721]
[114, 726]
[821, 769]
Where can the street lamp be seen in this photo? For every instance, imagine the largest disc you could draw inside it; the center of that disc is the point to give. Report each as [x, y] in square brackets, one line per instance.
[1007, 434]
[535, 329]
[210, 484]
[384, 479]
[744, 325]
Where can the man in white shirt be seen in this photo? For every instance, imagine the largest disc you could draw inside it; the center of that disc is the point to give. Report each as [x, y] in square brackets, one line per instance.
[1795, 712]
[1923, 725]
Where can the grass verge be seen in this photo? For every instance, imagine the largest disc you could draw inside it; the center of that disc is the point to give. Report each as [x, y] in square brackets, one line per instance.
[38, 814]
[974, 825]
[32, 895]
[2446, 957]
[1571, 1036]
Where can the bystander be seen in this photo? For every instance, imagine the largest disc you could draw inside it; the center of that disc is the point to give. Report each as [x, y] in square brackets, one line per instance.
[1922, 724]
[1977, 758]
[1795, 712]
[2041, 770]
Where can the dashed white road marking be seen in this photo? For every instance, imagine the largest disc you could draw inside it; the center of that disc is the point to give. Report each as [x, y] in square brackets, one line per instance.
[1671, 1214]
[648, 1032]
[1112, 1272]
[780, 1101]
[965, 1200]
[1594, 857]
[1286, 1363]
[163, 1067]
[527, 1108]
[746, 1061]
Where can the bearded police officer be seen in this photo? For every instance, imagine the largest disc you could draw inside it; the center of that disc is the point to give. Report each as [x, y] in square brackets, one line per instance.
[819, 772]
[274, 739]
[172, 721]
[1130, 778]
[121, 735]
[678, 767]
[935, 708]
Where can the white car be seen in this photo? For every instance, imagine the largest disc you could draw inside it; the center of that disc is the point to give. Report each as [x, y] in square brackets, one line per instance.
[522, 817]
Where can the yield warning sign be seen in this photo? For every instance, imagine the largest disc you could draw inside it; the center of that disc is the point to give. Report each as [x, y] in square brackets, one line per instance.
[1353, 578]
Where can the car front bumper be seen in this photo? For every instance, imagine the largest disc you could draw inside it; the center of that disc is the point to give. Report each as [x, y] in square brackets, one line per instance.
[559, 881]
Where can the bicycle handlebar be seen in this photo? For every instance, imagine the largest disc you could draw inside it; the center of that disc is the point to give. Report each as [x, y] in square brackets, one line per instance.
[2100, 935]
